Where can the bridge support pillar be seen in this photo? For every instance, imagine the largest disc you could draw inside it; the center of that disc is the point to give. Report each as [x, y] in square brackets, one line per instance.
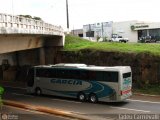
[42, 56]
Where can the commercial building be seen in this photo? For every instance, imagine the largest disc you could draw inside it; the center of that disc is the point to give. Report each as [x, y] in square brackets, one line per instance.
[97, 30]
[77, 32]
[133, 30]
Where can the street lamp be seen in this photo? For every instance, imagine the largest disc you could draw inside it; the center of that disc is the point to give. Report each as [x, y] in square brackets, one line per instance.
[67, 16]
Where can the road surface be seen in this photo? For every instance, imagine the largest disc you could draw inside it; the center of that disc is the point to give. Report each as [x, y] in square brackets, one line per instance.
[100, 110]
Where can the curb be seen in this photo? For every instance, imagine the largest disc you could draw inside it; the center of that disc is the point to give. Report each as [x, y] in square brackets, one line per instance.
[44, 110]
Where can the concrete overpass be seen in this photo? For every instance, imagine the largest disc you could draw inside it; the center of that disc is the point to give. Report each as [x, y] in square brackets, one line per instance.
[19, 33]
[25, 41]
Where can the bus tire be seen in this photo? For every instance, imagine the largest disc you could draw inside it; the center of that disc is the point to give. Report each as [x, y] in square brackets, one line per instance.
[81, 96]
[93, 98]
[38, 91]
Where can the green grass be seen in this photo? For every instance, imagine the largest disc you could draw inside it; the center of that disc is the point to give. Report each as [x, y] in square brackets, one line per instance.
[73, 43]
[150, 89]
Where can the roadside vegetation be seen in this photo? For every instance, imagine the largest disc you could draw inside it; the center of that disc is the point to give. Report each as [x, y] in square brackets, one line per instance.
[149, 89]
[1, 93]
[73, 43]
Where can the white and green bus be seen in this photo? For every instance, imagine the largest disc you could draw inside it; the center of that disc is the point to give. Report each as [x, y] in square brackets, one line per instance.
[92, 83]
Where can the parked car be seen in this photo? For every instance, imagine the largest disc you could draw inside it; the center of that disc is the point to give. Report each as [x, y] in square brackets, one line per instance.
[117, 38]
[149, 39]
[146, 39]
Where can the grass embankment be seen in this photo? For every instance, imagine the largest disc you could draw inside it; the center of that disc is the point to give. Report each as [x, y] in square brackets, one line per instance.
[73, 43]
[150, 89]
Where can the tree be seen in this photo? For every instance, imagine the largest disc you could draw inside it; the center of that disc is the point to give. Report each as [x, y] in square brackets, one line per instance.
[29, 16]
[37, 18]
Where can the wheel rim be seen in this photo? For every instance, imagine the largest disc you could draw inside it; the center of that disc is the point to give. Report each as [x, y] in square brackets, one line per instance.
[93, 99]
[81, 97]
[38, 92]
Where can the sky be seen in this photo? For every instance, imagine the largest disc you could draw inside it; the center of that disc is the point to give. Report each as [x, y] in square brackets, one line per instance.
[83, 12]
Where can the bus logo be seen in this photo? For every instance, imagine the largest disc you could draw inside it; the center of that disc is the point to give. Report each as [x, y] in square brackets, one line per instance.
[71, 82]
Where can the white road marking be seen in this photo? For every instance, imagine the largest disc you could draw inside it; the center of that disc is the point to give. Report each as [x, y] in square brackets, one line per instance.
[130, 109]
[143, 101]
[66, 101]
[15, 87]
[22, 94]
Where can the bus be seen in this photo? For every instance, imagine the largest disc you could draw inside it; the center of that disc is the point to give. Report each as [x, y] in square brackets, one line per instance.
[81, 81]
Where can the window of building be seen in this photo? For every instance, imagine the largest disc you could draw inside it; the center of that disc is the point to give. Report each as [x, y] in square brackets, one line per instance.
[90, 34]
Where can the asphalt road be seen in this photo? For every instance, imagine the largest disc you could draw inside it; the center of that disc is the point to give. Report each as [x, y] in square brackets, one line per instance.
[100, 110]
[14, 113]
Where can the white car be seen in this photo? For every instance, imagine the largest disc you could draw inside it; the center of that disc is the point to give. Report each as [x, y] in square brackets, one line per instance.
[117, 38]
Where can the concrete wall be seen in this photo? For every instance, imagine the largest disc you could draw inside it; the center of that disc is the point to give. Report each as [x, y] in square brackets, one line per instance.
[20, 61]
[11, 57]
[11, 43]
[16, 60]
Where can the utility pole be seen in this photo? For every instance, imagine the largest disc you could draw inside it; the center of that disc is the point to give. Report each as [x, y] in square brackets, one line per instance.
[89, 31]
[12, 8]
[12, 11]
[102, 31]
[67, 16]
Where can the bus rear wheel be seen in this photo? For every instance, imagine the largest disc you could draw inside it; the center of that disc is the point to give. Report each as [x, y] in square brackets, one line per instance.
[38, 91]
[81, 97]
[93, 98]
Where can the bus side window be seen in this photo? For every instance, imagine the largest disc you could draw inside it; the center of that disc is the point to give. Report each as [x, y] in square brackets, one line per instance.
[84, 75]
[61, 73]
[99, 76]
[92, 75]
[111, 76]
[53, 73]
[46, 73]
[75, 74]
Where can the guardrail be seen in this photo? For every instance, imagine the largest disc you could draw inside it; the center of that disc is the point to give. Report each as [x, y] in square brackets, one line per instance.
[10, 24]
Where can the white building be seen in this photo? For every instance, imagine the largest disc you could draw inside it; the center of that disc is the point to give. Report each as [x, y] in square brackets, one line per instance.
[94, 31]
[133, 30]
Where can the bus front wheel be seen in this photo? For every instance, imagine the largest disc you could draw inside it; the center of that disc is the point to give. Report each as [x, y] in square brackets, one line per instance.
[38, 91]
[81, 97]
[93, 98]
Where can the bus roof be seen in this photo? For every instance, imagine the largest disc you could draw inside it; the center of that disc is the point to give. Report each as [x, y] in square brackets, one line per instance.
[84, 66]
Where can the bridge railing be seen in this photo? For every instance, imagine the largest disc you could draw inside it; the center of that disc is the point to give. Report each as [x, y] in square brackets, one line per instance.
[17, 24]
